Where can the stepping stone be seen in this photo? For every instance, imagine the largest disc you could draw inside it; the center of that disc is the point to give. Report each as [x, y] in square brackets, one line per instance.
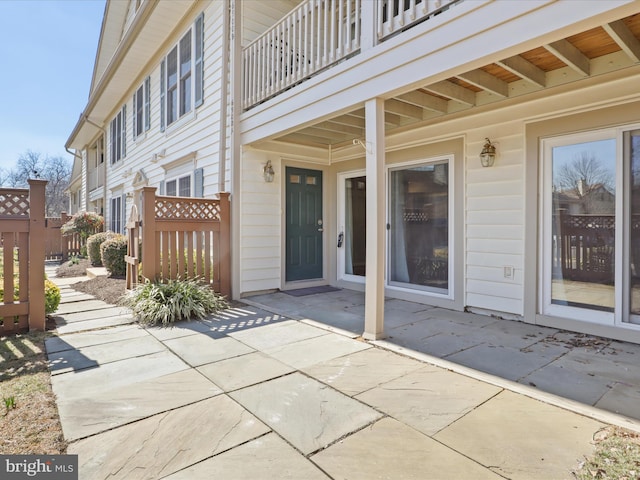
[307, 413]
[389, 449]
[270, 456]
[505, 433]
[429, 399]
[168, 442]
[85, 416]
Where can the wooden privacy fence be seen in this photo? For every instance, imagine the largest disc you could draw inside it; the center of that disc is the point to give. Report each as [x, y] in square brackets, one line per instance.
[58, 246]
[22, 240]
[584, 247]
[180, 237]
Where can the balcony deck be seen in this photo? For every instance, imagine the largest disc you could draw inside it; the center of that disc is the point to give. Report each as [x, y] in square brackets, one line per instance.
[318, 34]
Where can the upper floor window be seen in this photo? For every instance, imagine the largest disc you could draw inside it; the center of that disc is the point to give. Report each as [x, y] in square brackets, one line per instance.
[184, 184]
[179, 187]
[142, 108]
[118, 136]
[181, 75]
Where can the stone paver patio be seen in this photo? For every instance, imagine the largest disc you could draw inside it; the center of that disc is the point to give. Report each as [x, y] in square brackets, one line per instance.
[251, 394]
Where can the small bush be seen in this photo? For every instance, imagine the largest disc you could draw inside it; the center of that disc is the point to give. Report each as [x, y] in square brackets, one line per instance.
[93, 247]
[51, 297]
[165, 303]
[112, 252]
[83, 223]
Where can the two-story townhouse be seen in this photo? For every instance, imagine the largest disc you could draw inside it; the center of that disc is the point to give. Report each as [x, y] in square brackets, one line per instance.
[411, 149]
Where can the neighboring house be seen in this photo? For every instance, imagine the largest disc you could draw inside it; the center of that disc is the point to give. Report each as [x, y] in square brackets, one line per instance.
[304, 110]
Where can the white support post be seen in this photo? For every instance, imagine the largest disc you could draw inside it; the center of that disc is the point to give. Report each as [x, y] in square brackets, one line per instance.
[369, 28]
[375, 160]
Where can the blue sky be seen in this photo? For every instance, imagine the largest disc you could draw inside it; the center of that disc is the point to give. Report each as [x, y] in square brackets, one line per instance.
[47, 50]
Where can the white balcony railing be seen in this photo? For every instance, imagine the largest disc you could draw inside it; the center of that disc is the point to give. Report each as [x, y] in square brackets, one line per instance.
[397, 15]
[318, 34]
[95, 178]
[312, 37]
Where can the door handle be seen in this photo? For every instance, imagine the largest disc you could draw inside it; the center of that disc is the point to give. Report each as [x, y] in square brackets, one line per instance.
[321, 229]
[340, 239]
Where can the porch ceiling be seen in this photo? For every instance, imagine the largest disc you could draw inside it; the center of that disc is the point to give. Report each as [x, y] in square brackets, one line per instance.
[609, 47]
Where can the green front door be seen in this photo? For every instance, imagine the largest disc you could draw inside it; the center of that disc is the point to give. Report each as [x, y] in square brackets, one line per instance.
[304, 224]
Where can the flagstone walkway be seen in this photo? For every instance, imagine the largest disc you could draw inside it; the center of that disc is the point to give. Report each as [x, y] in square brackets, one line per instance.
[249, 394]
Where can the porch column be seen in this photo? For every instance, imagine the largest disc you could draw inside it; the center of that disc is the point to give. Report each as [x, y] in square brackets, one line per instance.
[374, 286]
[368, 25]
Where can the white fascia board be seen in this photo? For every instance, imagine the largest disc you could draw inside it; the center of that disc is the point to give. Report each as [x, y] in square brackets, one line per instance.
[492, 31]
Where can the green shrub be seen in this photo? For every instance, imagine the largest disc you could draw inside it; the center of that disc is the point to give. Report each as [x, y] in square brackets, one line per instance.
[165, 303]
[51, 297]
[112, 252]
[83, 223]
[93, 247]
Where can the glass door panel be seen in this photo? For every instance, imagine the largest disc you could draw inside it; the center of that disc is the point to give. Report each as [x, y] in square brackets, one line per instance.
[583, 223]
[355, 226]
[632, 151]
[419, 227]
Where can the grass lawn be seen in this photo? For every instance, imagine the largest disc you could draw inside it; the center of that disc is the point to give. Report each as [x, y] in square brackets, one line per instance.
[28, 414]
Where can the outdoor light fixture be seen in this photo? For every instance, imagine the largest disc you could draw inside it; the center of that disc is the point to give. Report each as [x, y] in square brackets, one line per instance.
[488, 154]
[268, 172]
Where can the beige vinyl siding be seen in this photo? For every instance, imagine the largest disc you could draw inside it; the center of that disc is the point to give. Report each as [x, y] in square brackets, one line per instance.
[495, 221]
[260, 230]
[197, 131]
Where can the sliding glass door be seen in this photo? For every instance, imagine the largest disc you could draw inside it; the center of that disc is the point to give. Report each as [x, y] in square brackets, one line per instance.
[591, 225]
[419, 225]
[352, 241]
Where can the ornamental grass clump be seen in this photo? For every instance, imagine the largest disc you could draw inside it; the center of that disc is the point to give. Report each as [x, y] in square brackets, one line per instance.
[155, 303]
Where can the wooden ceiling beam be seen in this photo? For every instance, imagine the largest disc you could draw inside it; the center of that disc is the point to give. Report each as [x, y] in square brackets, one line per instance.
[426, 101]
[403, 109]
[486, 81]
[305, 139]
[625, 39]
[524, 69]
[349, 121]
[570, 55]
[333, 136]
[331, 126]
[452, 91]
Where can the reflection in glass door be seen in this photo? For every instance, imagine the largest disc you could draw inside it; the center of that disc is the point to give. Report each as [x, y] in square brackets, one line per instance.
[631, 142]
[353, 227]
[592, 226]
[584, 224]
[419, 227]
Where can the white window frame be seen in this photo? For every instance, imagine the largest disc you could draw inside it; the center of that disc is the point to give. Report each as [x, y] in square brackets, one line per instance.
[451, 281]
[141, 109]
[117, 213]
[177, 179]
[620, 315]
[118, 136]
[187, 88]
[342, 178]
